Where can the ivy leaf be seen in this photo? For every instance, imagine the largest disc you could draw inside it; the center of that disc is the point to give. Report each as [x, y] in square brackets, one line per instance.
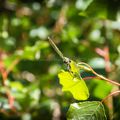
[86, 111]
[73, 84]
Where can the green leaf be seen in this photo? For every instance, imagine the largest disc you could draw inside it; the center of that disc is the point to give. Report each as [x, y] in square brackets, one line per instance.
[74, 85]
[101, 85]
[30, 52]
[86, 111]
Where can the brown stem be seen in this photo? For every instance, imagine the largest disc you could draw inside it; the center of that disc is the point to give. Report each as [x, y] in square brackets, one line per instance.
[105, 54]
[111, 94]
[61, 20]
[100, 76]
[90, 77]
[5, 73]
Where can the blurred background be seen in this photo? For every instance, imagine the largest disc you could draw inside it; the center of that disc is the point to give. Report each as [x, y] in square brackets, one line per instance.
[84, 30]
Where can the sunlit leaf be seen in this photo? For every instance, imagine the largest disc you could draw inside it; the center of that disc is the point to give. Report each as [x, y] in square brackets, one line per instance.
[74, 85]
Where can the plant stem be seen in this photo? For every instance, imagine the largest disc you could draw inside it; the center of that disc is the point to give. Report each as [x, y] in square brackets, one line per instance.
[111, 94]
[100, 76]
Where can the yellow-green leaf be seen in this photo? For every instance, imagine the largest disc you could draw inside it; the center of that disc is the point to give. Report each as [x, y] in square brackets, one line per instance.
[73, 84]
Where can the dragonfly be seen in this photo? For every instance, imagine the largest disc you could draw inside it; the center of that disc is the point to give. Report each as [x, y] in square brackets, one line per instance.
[71, 80]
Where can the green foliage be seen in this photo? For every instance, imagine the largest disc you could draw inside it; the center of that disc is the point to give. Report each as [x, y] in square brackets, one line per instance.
[33, 52]
[30, 66]
[86, 111]
[99, 85]
[105, 9]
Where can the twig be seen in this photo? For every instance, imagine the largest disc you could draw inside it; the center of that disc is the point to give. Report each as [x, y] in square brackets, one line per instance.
[5, 73]
[105, 54]
[90, 77]
[100, 76]
[61, 20]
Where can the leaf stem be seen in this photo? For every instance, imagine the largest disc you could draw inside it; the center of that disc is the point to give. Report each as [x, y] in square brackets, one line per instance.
[98, 75]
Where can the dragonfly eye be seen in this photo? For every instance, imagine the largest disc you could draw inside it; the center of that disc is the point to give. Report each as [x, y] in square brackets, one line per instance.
[66, 60]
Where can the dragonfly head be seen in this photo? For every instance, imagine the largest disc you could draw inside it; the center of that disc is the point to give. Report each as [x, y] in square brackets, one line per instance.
[66, 60]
